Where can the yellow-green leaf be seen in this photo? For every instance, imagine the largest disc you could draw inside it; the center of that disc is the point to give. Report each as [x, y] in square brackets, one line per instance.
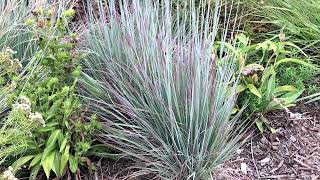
[285, 88]
[259, 124]
[20, 162]
[73, 163]
[47, 163]
[64, 158]
[35, 160]
[63, 144]
[240, 88]
[51, 143]
[254, 90]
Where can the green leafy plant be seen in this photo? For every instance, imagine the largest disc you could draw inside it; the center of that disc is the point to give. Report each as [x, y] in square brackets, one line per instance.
[9, 71]
[60, 145]
[258, 66]
[159, 91]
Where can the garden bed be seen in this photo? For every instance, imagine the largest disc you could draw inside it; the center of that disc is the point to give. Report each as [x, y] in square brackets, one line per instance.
[293, 152]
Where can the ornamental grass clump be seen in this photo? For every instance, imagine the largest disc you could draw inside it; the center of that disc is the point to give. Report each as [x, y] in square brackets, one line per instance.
[299, 21]
[162, 90]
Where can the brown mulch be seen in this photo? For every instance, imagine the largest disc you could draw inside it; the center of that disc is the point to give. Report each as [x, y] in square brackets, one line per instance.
[293, 152]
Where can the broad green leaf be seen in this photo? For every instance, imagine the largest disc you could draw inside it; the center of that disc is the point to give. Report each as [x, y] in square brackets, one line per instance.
[269, 71]
[35, 160]
[73, 163]
[63, 144]
[240, 88]
[263, 45]
[51, 143]
[56, 165]
[259, 124]
[20, 162]
[52, 111]
[49, 127]
[286, 100]
[243, 39]
[64, 158]
[48, 162]
[254, 90]
[270, 88]
[290, 97]
[285, 88]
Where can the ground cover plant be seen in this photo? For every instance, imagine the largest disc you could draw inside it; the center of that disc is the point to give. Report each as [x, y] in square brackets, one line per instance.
[290, 20]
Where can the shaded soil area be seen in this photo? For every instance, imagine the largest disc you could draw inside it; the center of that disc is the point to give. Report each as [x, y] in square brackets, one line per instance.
[293, 152]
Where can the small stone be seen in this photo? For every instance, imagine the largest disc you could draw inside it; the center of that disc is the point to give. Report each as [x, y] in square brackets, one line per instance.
[293, 139]
[275, 147]
[265, 161]
[244, 168]
[239, 151]
[302, 151]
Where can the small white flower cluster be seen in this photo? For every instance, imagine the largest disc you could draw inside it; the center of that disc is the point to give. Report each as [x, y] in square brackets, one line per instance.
[8, 174]
[37, 117]
[23, 104]
[10, 51]
[10, 65]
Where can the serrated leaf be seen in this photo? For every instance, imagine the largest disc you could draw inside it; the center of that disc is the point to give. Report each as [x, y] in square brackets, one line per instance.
[254, 90]
[48, 162]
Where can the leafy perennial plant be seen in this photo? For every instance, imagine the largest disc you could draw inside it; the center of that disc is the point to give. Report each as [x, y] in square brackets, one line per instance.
[46, 112]
[258, 66]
